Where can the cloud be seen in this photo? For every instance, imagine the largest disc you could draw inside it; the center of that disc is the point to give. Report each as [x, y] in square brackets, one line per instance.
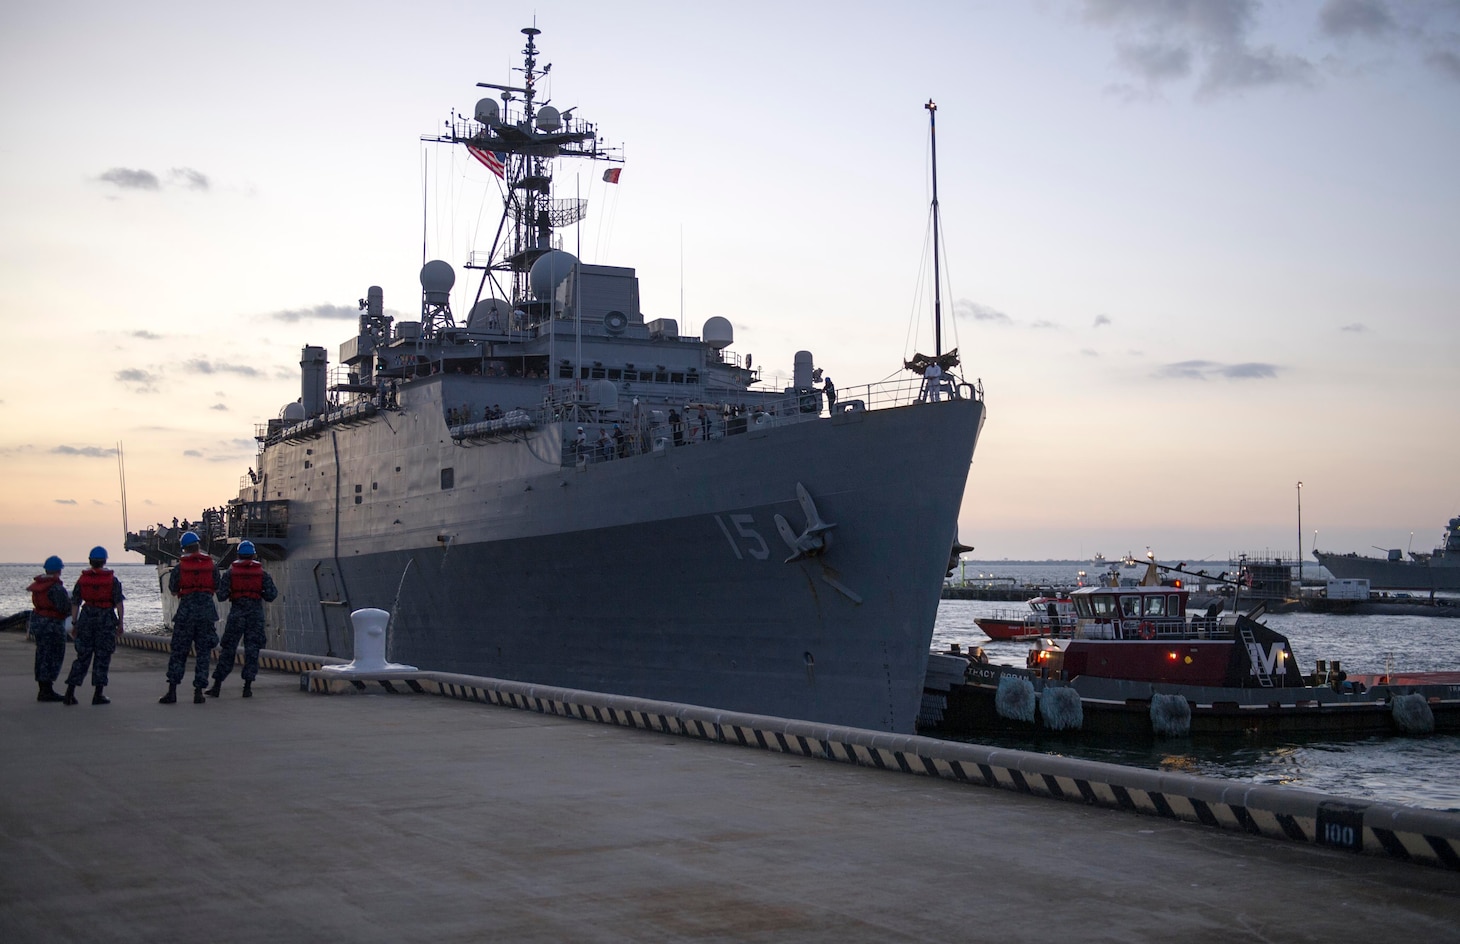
[1044, 325]
[1089, 352]
[971, 310]
[1204, 370]
[65, 501]
[1249, 371]
[146, 335]
[1356, 327]
[127, 179]
[1341, 19]
[142, 381]
[189, 178]
[200, 366]
[333, 312]
[219, 406]
[193, 453]
[1446, 61]
[1101, 320]
[98, 501]
[91, 452]
[1160, 42]
[15, 450]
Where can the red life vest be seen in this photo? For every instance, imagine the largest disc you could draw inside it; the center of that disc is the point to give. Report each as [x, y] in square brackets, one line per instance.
[195, 575]
[246, 580]
[40, 597]
[96, 587]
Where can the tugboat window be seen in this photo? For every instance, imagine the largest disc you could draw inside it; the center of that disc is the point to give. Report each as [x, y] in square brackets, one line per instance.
[1130, 606]
[1155, 606]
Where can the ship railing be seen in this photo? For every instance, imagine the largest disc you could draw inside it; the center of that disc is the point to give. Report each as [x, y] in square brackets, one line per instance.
[1161, 629]
[653, 430]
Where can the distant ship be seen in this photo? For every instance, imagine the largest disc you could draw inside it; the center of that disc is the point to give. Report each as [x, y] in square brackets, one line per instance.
[563, 491]
[1437, 570]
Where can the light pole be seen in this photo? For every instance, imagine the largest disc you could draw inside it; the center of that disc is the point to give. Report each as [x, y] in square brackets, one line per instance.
[1300, 540]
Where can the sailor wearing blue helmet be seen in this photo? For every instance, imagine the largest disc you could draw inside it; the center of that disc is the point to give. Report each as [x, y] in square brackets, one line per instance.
[50, 617]
[249, 588]
[97, 612]
[194, 627]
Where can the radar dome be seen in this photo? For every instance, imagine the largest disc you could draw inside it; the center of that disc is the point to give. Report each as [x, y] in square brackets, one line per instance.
[292, 412]
[549, 271]
[487, 112]
[548, 119]
[437, 277]
[718, 333]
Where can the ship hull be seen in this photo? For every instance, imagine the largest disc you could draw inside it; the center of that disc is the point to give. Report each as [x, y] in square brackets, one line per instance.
[662, 576]
[1393, 575]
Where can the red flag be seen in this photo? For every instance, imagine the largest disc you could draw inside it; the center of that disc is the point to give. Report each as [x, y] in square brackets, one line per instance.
[611, 175]
[496, 161]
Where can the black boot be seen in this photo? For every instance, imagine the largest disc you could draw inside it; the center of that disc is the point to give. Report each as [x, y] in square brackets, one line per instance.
[47, 693]
[171, 696]
[248, 688]
[99, 698]
[217, 688]
[198, 698]
[70, 698]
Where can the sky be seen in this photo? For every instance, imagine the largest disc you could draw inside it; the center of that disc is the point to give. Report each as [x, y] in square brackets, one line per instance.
[1197, 251]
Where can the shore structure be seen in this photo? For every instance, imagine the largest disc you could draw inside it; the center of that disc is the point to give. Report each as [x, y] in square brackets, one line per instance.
[523, 490]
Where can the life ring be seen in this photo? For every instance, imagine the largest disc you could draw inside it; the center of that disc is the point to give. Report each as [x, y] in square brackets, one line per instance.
[1147, 630]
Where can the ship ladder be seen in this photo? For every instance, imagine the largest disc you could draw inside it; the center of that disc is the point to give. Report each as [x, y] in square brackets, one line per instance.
[1250, 642]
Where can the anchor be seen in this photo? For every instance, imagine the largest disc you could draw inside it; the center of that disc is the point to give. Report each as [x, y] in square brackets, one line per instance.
[811, 542]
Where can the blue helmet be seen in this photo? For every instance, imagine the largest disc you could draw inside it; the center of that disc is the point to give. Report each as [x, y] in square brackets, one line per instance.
[189, 539]
[53, 565]
[97, 553]
[246, 549]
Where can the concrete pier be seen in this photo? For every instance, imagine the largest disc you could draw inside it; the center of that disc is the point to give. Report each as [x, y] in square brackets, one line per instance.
[386, 817]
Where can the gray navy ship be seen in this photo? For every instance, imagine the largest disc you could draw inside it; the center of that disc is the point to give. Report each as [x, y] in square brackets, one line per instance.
[560, 490]
[1437, 570]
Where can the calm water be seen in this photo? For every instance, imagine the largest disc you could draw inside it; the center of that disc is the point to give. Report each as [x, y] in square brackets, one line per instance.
[1415, 771]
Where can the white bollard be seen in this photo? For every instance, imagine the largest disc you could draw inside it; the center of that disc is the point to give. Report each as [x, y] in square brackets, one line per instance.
[370, 626]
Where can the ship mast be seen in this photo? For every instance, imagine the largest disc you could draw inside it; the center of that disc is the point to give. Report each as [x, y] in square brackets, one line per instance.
[518, 140]
[932, 108]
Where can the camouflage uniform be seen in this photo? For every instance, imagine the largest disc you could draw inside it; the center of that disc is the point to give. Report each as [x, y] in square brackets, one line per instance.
[246, 621]
[96, 636]
[193, 627]
[50, 636]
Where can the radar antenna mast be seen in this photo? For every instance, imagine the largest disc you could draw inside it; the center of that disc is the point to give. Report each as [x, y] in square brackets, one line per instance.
[932, 108]
[517, 140]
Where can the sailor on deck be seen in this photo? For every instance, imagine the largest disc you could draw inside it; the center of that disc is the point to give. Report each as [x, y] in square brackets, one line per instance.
[249, 587]
[193, 582]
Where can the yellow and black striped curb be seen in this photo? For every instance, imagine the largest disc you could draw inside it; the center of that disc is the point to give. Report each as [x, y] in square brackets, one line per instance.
[1430, 837]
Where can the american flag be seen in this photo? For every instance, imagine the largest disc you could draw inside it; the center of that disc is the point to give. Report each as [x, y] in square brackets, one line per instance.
[496, 161]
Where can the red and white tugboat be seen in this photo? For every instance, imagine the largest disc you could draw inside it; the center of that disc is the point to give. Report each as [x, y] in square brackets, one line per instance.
[1041, 616]
[1137, 663]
